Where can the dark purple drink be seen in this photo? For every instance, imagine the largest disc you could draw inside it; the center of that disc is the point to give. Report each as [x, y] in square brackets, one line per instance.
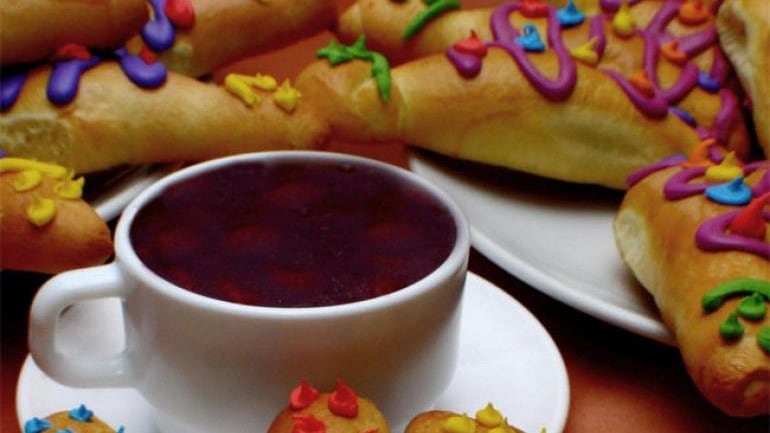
[294, 233]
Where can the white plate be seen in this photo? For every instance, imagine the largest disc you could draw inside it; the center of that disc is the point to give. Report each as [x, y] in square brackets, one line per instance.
[507, 358]
[554, 236]
[120, 187]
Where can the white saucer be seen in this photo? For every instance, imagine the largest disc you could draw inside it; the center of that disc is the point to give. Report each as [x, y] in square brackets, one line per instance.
[111, 199]
[554, 236]
[507, 358]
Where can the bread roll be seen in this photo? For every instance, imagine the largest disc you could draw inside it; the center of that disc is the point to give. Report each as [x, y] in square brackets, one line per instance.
[33, 30]
[586, 102]
[44, 228]
[744, 32]
[111, 121]
[222, 31]
[682, 246]
[442, 421]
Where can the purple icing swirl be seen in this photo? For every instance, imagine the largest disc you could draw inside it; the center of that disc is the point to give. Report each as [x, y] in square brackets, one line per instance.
[11, 83]
[713, 236]
[64, 82]
[159, 32]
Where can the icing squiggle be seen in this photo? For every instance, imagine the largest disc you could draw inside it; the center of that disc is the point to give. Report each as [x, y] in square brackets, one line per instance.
[651, 99]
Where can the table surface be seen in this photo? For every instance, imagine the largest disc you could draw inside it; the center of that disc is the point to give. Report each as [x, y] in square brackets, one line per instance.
[619, 382]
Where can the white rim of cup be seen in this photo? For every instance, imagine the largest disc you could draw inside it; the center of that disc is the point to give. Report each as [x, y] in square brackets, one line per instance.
[126, 256]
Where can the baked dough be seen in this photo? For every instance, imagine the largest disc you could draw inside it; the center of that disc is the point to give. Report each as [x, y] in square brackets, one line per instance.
[682, 245]
[33, 30]
[338, 411]
[547, 113]
[442, 421]
[223, 31]
[112, 122]
[63, 233]
[79, 420]
[744, 32]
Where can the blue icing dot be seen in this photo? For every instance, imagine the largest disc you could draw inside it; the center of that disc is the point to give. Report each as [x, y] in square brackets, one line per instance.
[530, 39]
[64, 81]
[11, 83]
[37, 425]
[732, 193]
[121, 430]
[159, 32]
[66, 430]
[684, 116]
[570, 15]
[81, 413]
[708, 82]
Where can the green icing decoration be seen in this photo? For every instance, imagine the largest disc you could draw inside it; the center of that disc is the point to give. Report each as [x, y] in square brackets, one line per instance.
[740, 286]
[763, 339]
[731, 328]
[338, 53]
[435, 8]
[752, 307]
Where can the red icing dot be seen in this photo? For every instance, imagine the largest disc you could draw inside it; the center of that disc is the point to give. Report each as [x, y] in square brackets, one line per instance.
[72, 52]
[533, 8]
[181, 13]
[750, 222]
[671, 51]
[343, 401]
[147, 55]
[471, 45]
[642, 83]
[302, 396]
[307, 424]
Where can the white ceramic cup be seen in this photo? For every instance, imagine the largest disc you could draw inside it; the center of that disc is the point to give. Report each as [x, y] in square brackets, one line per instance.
[207, 365]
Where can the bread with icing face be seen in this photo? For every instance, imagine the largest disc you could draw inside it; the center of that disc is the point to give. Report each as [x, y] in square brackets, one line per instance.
[78, 420]
[487, 420]
[526, 90]
[45, 225]
[117, 114]
[695, 234]
[214, 33]
[340, 411]
[33, 30]
[744, 32]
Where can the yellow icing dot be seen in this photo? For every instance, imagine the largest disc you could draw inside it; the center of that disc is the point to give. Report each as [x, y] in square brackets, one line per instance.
[727, 170]
[264, 82]
[286, 96]
[70, 188]
[41, 211]
[26, 180]
[623, 23]
[20, 164]
[489, 416]
[459, 424]
[240, 86]
[502, 428]
[586, 52]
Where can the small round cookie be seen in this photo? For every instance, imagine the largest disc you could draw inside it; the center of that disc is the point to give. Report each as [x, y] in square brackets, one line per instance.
[78, 420]
[338, 411]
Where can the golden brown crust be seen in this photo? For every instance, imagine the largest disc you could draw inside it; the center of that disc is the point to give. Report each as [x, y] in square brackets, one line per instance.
[77, 237]
[112, 122]
[228, 30]
[656, 238]
[433, 422]
[33, 30]
[369, 418]
[744, 32]
[594, 135]
[61, 421]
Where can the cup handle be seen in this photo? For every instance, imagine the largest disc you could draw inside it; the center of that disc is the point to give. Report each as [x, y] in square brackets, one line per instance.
[58, 293]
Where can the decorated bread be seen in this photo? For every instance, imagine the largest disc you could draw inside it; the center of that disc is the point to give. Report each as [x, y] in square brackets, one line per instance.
[34, 30]
[194, 37]
[487, 420]
[530, 86]
[338, 411]
[744, 32]
[45, 225]
[91, 113]
[694, 233]
[78, 420]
